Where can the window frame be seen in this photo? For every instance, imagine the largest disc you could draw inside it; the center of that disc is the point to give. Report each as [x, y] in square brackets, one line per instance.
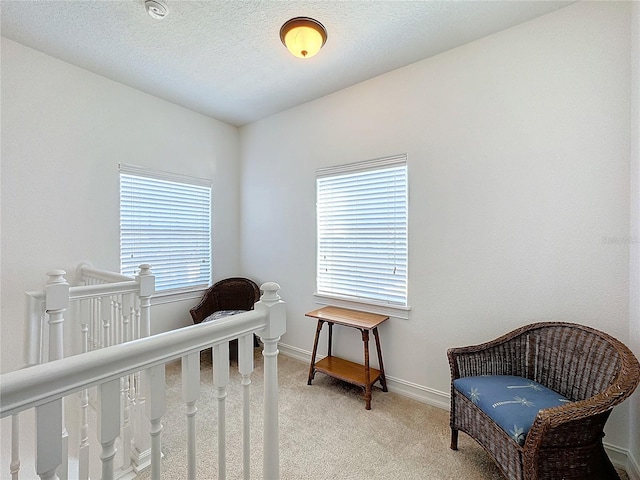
[181, 291]
[350, 301]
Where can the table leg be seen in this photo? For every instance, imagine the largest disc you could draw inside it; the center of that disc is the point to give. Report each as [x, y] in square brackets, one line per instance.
[383, 379]
[367, 371]
[315, 350]
[330, 338]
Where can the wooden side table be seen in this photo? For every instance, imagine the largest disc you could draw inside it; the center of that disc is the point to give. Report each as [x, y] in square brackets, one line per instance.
[361, 375]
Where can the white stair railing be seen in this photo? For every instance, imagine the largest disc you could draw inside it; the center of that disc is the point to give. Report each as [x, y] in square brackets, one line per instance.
[104, 309]
[116, 309]
[44, 386]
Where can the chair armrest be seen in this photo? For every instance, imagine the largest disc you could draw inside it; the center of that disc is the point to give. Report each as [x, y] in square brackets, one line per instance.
[574, 424]
[602, 403]
[207, 305]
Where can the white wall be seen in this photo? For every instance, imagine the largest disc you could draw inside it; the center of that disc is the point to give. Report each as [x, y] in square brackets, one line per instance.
[518, 150]
[64, 131]
[634, 236]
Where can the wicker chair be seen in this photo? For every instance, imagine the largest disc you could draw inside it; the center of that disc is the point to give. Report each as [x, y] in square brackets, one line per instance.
[590, 368]
[228, 295]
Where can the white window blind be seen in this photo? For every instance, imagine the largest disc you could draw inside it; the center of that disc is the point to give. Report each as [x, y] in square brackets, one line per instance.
[165, 221]
[362, 231]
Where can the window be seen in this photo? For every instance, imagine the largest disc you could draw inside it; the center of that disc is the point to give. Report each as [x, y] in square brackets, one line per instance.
[165, 221]
[362, 231]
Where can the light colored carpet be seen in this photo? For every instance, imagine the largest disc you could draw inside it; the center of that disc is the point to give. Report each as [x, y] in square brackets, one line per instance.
[325, 432]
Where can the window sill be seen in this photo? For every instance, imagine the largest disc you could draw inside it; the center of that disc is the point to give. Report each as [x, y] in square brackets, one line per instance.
[173, 296]
[394, 311]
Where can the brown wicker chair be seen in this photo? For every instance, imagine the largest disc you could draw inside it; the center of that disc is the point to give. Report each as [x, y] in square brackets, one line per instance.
[235, 293]
[590, 368]
[230, 294]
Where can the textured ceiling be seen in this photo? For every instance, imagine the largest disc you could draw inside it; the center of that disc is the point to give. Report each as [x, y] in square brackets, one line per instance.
[224, 58]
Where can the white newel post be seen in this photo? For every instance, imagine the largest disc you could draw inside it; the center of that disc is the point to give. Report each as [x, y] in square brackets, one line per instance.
[147, 283]
[141, 435]
[276, 326]
[57, 300]
[35, 312]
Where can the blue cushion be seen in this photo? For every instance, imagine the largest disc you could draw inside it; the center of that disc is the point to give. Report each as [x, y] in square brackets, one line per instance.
[512, 402]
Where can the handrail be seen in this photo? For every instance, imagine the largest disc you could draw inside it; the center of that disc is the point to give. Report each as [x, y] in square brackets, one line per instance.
[37, 295]
[106, 308]
[45, 386]
[88, 291]
[110, 283]
[86, 269]
[40, 384]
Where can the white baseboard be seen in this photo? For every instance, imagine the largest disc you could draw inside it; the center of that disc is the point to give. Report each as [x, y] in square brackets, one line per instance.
[417, 392]
[294, 352]
[427, 395]
[620, 457]
[632, 467]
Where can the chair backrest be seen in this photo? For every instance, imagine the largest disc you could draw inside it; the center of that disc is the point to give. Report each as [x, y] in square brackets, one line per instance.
[580, 362]
[235, 293]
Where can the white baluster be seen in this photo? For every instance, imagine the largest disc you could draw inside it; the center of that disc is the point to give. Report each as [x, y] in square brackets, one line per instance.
[117, 316]
[83, 449]
[190, 394]
[48, 439]
[220, 357]
[271, 304]
[84, 333]
[57, 300]
[141, 444]
[122, 310]
[136, 420]
[245, 367]
[15, 447]
[96, 332]
[135, 317]
[126, 315]
[92, 327]
[108, 425]
[105, 315]
[125, 454]
[155, 383]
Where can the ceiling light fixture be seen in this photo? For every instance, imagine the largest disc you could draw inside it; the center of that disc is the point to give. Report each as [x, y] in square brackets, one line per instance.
[303, 36]
[156, 8]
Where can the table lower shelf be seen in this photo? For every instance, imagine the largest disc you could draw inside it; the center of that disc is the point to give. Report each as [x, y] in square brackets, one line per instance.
[347, 371]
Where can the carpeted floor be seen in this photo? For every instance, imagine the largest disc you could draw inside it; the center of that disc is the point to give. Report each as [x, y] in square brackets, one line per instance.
[325, 432]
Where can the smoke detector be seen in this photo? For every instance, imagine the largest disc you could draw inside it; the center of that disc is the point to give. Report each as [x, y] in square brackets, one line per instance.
[156, 8]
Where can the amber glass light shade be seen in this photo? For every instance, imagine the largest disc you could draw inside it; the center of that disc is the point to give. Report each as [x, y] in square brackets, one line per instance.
[303, 36]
